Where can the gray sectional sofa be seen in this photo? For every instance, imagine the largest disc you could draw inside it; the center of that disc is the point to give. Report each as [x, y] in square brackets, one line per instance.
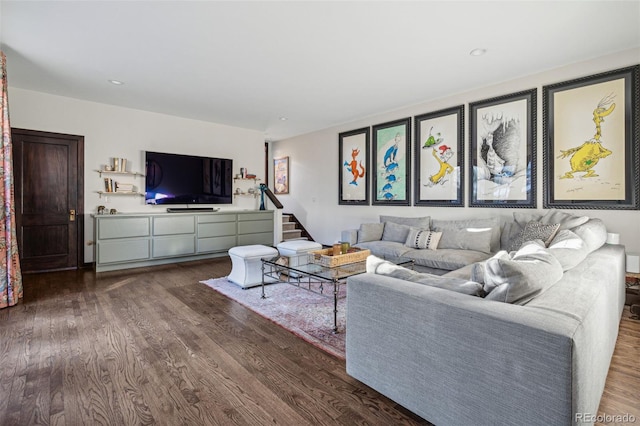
[489, 338]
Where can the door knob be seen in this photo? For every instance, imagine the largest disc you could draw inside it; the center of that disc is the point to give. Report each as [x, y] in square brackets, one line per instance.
[72, 215]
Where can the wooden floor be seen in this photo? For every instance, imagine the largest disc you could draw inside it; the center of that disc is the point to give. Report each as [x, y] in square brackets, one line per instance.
[153, 346]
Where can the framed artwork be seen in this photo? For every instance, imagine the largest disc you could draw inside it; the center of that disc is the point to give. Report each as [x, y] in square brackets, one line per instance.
[281, 175]
[439, 157]
[391, 165]
[353, 149]
[502, 161]
[590, 147]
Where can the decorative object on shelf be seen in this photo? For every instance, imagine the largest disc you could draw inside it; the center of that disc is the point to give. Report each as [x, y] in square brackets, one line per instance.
[439, 156]
[281, 175]
[113, 211]
[587, 165]
[502, 162]
[101, 209]
[353, 153]
[263, 188]
[392, 168]
[243, 172]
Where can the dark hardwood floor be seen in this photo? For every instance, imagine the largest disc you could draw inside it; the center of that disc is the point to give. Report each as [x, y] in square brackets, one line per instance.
[154, 346]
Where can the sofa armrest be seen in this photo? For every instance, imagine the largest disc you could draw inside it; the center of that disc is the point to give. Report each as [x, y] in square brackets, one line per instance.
[349, 236]
[458, 359]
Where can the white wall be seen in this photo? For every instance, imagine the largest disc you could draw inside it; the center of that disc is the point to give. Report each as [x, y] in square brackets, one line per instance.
[313, 158]
[111, 131]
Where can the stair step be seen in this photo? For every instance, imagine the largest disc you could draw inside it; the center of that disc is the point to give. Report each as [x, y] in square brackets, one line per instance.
[294, 233]
[286, 218]
[288, 226]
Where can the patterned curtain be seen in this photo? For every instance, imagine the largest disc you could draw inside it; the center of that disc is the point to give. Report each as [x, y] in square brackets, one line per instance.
[10, 275]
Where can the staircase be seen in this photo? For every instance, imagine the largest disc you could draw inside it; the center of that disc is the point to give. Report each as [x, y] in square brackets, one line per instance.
[292, 229]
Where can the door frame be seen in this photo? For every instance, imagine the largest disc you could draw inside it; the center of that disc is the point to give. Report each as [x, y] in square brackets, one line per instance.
[80, 184]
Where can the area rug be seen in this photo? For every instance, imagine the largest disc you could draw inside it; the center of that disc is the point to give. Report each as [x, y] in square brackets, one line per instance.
[306, 314]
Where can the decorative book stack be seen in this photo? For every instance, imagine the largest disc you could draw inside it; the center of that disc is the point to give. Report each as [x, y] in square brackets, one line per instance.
[125, 187]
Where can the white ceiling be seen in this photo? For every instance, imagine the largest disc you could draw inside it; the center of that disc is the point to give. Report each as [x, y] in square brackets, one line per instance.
[319, 64]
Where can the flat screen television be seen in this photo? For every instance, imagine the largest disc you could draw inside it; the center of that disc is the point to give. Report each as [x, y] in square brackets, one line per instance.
[187, 179]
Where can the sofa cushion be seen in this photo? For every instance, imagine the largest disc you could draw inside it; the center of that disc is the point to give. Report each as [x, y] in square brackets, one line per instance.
[370, 232]
[472, 224]
[423, 239]
[386, 248]
[534, 231]
[476, 272]
[566, 220]
[379, 266]
[445, 259]
[417, 222]
[527, 272]
[593, 233]
[568, 248]
[477, 239]
[395, 232]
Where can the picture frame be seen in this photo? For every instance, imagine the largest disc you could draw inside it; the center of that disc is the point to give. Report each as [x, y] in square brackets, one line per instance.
[590, 148]
[391, 166]
[502, 157]
[354, 157]
[439, 158]
[281, 175]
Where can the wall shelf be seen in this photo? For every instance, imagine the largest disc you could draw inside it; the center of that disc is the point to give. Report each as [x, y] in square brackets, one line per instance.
[111, 172]
[106, 193]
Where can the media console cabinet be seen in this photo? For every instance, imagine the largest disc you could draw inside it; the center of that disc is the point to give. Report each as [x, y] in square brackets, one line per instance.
[132, 240]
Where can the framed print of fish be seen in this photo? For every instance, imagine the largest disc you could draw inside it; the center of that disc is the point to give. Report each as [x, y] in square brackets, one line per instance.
[391, 163]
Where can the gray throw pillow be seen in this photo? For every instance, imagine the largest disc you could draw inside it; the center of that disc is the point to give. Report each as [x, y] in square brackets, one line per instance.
[529, 272]
[477, 239]
[379, 266]
[394, 232]
[534, 231]
[568, 248]
[593, 233]
[370, 232]
[416, 222]
[423, 239]
[492, 223]
[524, 217]
[566, 220]
[477, 269]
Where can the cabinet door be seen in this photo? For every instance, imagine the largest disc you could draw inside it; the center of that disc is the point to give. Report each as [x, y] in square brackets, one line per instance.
[122, 227]
[215, 244]
[125, 250]
[172, 225]
[178, 245]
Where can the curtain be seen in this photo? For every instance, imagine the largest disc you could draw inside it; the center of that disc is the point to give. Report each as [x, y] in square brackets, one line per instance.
[10, 275]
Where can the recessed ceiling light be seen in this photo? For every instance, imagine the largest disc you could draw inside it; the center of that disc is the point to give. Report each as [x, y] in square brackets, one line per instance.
[478, 52]
[283, 118]
[116, 82]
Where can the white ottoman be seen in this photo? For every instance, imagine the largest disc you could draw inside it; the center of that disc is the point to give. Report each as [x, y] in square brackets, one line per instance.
[296, 250]
[246, 265]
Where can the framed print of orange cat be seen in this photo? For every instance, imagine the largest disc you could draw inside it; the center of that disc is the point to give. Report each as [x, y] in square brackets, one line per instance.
[591, 135]
[353, 163]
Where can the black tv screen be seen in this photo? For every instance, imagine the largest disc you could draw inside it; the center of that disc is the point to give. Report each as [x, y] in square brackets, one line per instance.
[187, 179]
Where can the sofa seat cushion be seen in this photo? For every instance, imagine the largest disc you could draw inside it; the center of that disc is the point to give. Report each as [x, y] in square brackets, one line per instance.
[379, 266]
[385, 248]
[449, 259]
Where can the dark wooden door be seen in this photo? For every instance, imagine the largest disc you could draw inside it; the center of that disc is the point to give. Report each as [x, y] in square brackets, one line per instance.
[48, 172]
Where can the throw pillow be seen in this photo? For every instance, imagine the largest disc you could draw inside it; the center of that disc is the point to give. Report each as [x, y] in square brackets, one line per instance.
[477, 269]
[394, 232]
[370, 232]
[416, 222]
[593, 233]
[477, 239]
[492, 224]
[568, 248]
[534, 231]
[423, 239]
[529, 272]
[379, 266]
[566, 220]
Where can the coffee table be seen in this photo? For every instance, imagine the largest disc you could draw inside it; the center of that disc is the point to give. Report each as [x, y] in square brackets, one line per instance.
[313, 277]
